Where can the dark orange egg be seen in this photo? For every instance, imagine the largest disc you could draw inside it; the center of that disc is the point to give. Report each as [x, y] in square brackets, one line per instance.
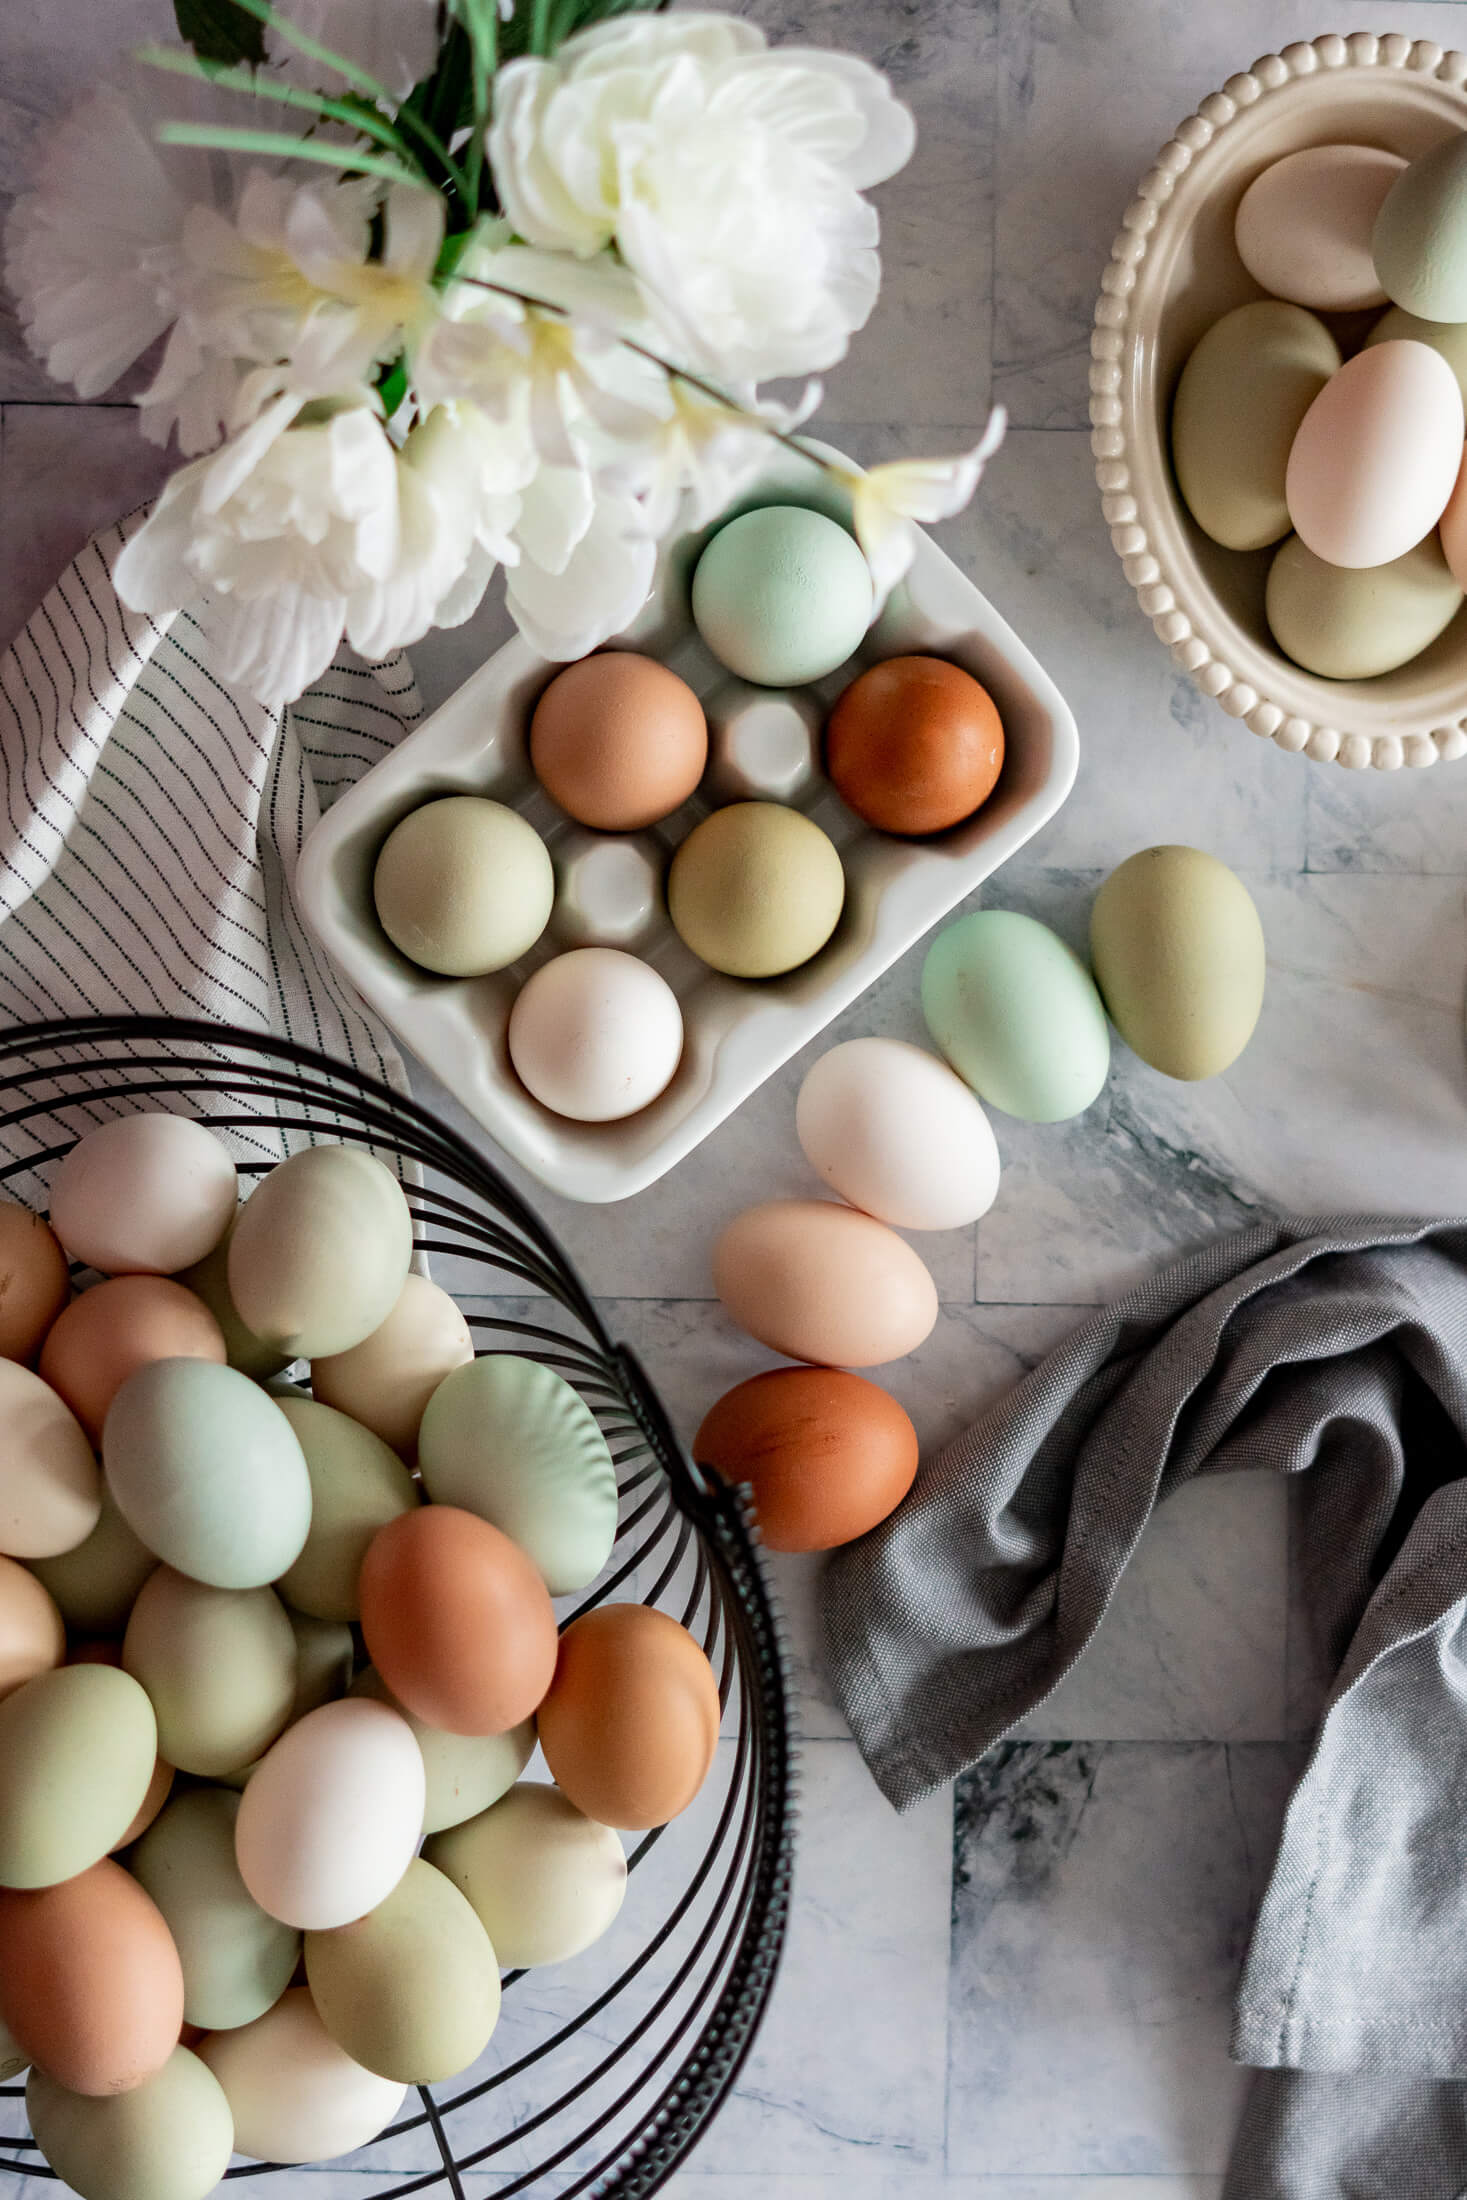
[828, 1454]
[914, 745]
[631, 1722]
[90, 1981]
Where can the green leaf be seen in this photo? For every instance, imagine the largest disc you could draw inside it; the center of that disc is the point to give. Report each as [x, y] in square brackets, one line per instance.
[276, 142]
[354, 111]
[219, 31]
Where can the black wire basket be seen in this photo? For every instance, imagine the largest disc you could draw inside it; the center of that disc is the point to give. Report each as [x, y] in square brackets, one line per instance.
[604, 2071]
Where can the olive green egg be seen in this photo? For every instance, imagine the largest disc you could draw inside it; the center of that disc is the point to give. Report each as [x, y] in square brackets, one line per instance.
[219, 1666]
[207, 1472]
[511, 1440]
[168, 2139]
[1242, 394]
[463, 886]
[319, 1251]
[77, 1752]
[465, 1772]
[1177, 948]
[209, 1280]
[358, 1484]
[411, 1991]
[13, 2057]
[1420, 239]
[96, 1584]
[1448, 337]
[325, 1653]
[755, 889]
[237, 1962]
[1017, 1015]
[1352, 623]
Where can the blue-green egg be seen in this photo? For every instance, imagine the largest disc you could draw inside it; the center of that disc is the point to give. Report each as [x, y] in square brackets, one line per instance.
[782, 595]
[1017, 1014]
[1420, 239]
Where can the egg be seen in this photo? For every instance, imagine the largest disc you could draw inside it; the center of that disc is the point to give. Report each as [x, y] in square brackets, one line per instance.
[763, 746]
[321, 1251]
[90, 1982]
[1244, 390]
[208, 1279]
[895, 1132]
[358, 1484]
[630, 1727]
[914, 745]
[782, 595]
[755, 890]
[160, 1787]
[78, 1747]
[50, 1490]
[1447, 337]
[1376, 455]
[1421, 234]
[1016, 1013]
[596, 1035]
[464, 1773]
[545, 1880]
[294, 2095]
[457, 1621]
[463, 886]
[510, 1440]
[823, 1283]
[331, 1818]
[34, 1281]
[96, 1585]
[1304, 226]
[236, 1961]
[618, 741]
[1352, 624]
[325, 1654]
[32, 1632]
[117, 1327]
[411, 1991]
[828, 1454]
[1178, 953]
[144, 1194]
[13, 2057]
[219, 1666]
[208, 1473]
[1454, 528]
[169, 2138]
[385, 1382]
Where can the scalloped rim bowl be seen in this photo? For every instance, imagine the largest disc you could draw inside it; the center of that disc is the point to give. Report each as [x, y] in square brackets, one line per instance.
[1173, 271]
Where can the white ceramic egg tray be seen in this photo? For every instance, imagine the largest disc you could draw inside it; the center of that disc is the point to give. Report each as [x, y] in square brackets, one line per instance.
[737, 1032]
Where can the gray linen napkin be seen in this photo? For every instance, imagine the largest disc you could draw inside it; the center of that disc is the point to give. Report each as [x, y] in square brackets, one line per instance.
[1335, 1350]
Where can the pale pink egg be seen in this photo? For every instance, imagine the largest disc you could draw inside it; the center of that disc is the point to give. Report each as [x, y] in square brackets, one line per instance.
[1376, 455]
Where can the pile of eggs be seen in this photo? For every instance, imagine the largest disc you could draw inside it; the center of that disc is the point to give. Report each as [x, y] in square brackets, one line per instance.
[464, 886]
[1177, 955]
[1312, 420]
[271, 1671]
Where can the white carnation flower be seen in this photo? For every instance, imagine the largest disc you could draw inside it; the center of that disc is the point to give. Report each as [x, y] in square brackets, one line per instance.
[728, 176]
[395, 41]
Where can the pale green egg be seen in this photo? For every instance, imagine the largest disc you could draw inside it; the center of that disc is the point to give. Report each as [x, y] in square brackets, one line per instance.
[1016, 1013]
[1354, 622]
[78, 1748]
[320, 1251]
[782, 595]
[96, 1584]
[465, 1772]
[545, 1880]
[510, 1440]
[358, 1484]
[1242, 394]
[237, 1962]
[1420, 238]
[411, 1991]
[209, 1279]
[219, 1666]
[1177, 948]
[168, 2139]
[463, 886]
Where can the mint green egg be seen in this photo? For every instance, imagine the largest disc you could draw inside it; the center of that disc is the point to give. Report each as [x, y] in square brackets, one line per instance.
[782, 595]
[358, 1484]
[237, 1962]
[78, 1747]
[1017, 1014]
[1420, 239]
[510, 1440]
[168, 2139]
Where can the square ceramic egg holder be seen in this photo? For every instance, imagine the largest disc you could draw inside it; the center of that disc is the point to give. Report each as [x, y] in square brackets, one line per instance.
[737, 1032]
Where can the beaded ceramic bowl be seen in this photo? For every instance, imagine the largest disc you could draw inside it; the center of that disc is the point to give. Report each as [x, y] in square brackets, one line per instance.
[1174, 270]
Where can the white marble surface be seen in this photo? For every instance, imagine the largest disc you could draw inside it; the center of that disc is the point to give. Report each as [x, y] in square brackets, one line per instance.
[1051, 2027]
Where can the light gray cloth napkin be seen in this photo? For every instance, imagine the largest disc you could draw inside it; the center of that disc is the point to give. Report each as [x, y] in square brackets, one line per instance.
[1334, 1350]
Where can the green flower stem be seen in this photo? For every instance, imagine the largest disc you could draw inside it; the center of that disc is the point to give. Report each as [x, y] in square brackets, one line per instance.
[177, 61]
[273, 143]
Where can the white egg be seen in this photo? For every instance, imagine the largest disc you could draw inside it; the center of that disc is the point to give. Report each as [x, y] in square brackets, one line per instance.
[896, 1133]
[596, 1034]
[294, 2094]
[145, 1195]
[386, 1381]
[332, 1814]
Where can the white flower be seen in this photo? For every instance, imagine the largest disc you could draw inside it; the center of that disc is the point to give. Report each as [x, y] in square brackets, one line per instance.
[728, 176]
[395, 41]
[887, 501]
[585, 567]
[704, 452]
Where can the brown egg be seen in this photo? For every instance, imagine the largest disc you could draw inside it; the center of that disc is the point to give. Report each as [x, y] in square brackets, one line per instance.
[117, 1327]
[631, 1723]
[828, 1454]
[457, 1621]
[90, 1981]
[618, 741]
[34, 1282]
[914, 745]
[32, 1631]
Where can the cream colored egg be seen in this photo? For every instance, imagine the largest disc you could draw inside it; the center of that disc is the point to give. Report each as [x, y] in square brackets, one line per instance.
[385, 1381]
[320, 1251]
[898, 1134]
[545, 1880]
[50, 1489]
[464, 1773]
[145, 1194]
[1454, 528]
[1303, 227]
[296, 2096]
[219, 1666]
[1447, 337]
[169, 2138]
[32, 1632]
[822, 1283]
[412, 1990]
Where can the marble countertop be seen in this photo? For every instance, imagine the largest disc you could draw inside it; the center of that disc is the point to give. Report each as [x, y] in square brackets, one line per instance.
[1021, 1992]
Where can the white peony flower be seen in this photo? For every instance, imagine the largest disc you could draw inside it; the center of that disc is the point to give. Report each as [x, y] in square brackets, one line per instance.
[585, 567]
[728, 177]
[394, 41]
[890, 501]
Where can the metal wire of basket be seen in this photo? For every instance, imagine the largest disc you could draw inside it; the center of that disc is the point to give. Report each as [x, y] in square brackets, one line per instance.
[604, 2072]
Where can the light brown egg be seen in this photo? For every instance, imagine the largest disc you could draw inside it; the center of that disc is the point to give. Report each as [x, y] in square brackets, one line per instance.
[117, 1327]
[90, 1981]
[631, 1723]
[828, 1454]
[823, 1283]
[457, 1621]
[914, 745]
[618, 741]
[34, 1283]
[32, 1631]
